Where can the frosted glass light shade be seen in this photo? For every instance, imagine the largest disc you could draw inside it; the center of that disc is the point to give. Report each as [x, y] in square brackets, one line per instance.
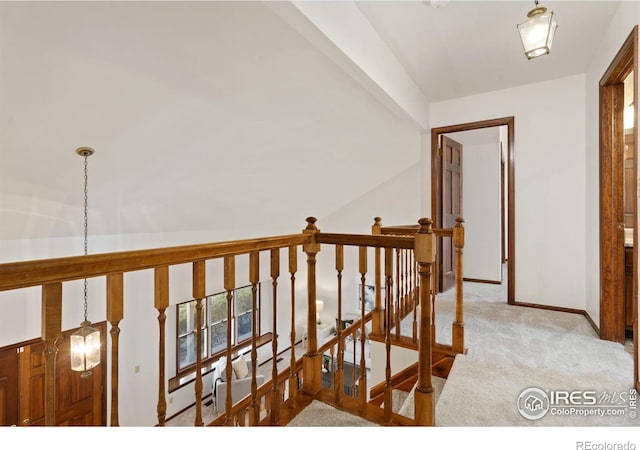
[85, 349]
[537, 32]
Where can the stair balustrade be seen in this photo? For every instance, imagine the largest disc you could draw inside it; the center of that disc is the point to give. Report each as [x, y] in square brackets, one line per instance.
[403, 268]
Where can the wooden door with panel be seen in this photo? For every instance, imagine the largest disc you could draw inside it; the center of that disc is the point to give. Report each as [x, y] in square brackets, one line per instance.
[78, 399]
[451, 207]
[9, 387]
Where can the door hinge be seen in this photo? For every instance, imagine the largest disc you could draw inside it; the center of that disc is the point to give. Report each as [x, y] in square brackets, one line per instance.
[20, 350]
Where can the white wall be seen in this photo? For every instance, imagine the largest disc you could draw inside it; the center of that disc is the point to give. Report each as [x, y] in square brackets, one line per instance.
[397, 202]
[481, 203]
[211, 121]
[627, 16]
[549, 182]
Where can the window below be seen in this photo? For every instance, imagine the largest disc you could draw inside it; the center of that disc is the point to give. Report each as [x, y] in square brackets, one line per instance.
[215, 320]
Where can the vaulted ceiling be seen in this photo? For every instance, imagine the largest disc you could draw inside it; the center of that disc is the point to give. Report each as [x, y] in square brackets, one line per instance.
[215, 115]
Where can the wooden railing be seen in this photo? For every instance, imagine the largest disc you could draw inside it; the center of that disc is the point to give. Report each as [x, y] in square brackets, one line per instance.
[408, 267]
[457, 235]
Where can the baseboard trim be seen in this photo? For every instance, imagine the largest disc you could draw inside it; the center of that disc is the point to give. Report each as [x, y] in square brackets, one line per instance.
[593, 323]
[550, 307]
[581, 312]
[476, 280]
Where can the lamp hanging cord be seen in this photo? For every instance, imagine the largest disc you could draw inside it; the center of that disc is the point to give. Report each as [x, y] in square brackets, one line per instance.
[85, 152]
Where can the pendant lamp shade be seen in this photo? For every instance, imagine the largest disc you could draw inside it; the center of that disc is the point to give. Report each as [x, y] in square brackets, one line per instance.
[537, 32]
[85, 349]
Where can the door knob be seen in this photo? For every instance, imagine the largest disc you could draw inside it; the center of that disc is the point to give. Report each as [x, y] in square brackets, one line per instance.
[26, 421]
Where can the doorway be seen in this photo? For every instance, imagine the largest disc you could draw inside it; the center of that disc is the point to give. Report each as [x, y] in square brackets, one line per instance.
[618, 198]
[437, 194]
[618, 219]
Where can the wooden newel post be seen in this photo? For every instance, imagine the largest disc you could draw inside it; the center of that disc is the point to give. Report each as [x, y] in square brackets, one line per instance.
[311, 361]
[377, 315]
[425, 254]
[457, 329]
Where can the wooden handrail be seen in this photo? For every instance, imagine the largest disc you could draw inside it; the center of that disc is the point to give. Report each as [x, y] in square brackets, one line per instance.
[405, 248]
[401, 230]
[365, 240]
[44, 271]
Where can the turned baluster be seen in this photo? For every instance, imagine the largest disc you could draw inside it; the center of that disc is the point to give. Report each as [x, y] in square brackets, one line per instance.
[115, 313]
[254, 279]
[293, 376]
[51, 315]
[199, 293]
[414, 297]
[362, 382]
[229, 269]
[161, 303]
[398, 299]
[405, 271]
[378, 314]
[425, 250]
[339, 391]
[275, 390]
[458, 325]
[388, 270]
[433, 311]
[312, 378]
[400, 280]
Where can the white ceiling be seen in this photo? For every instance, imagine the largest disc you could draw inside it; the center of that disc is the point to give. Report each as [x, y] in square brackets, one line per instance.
[469, 47]
[203, 115]
[219, 115]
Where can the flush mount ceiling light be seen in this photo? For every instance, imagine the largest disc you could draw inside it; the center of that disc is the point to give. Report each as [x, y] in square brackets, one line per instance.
[537, 32]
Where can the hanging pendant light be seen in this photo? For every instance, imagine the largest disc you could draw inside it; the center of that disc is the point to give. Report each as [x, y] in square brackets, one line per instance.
[85, 343]
[537, 32]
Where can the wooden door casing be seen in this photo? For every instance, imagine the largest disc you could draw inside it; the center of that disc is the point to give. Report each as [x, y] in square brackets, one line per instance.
[612, 178]
[612, 215]
[510, 183]
[451, 207]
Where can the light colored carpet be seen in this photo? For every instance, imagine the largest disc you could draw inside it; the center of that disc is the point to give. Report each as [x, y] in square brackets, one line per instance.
[512, 348]
[319, 414]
